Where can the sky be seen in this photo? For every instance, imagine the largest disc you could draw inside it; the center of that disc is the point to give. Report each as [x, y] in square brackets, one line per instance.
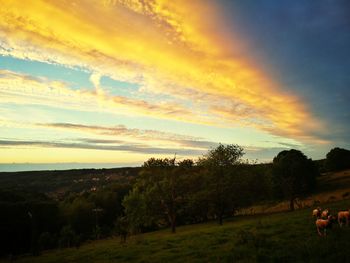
[115, 82]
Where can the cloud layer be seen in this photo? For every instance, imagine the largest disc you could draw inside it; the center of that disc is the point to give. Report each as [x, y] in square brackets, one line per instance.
[19, 88]
[163, 46]
[145, 149]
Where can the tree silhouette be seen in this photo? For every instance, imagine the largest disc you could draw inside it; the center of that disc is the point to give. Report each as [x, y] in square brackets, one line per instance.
[219, 165]
[293, 175]
[337, 159]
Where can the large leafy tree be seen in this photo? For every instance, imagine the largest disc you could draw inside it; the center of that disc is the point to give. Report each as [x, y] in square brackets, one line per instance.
[294, 175]
[222, 177]
[159, 192]
[338, 159]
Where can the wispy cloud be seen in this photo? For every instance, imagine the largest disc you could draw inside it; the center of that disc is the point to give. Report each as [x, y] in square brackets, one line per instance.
[290, 145]
[138, 148]
[119, 134]
[25, 89]
[163, 46]
[138, 135]
[119, 130]
[263, 154]
[188, 144]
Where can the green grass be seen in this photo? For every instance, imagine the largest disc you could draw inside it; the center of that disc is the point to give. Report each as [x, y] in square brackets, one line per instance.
[282, 237]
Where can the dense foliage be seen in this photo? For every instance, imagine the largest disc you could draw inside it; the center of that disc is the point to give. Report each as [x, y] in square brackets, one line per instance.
[159, 194]
[32, 222]
[294, 175]
[168, 193]
[337, 159]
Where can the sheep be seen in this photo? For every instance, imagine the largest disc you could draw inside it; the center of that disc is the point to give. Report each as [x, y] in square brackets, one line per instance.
[323, 224]
[343, 216]
[325, 213]
[316, 212]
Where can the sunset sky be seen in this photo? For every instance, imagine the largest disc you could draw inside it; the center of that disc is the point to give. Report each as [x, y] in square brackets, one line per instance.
[102, 83]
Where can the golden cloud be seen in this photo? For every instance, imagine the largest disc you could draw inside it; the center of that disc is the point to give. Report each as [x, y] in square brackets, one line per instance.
[167, 47]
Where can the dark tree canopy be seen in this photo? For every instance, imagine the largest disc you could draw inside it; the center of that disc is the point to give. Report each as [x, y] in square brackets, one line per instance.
[222, 178]
[293, 175]
[158, 193]
[338, 159]
[222, 156]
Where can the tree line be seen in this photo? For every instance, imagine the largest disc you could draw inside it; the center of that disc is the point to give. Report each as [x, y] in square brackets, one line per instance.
[32, 222]
[166, 193]
[169, 192]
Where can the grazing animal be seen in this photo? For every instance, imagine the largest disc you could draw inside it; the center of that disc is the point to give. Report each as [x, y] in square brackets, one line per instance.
[323, 224]
[316, 212]
[325, 214]
[343, 216]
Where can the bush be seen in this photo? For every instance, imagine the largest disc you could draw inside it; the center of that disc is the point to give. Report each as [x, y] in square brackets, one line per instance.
[68, 238]
[46, 241]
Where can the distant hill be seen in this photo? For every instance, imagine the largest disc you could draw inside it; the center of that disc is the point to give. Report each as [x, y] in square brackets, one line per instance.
[57, 183]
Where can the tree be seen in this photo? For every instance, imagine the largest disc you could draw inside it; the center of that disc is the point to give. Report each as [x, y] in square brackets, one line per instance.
[337, 159]
[159, 191]
[140, 210]
[293, 175]
[68, 237]
[80, 216]
[121, 228]
[220, 165]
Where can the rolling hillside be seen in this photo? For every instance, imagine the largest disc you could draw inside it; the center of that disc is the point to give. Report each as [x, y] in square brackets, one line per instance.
[280, 237]
[263, 233]
[57, 183]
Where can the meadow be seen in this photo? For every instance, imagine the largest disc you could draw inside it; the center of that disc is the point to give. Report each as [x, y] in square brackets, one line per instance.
[278, 237]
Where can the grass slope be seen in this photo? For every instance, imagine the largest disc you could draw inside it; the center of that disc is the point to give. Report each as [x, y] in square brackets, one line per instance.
[331, 187]
[333, 181]
[282, 237]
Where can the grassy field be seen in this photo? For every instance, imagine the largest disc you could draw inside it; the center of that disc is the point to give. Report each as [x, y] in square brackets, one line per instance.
[281, 237]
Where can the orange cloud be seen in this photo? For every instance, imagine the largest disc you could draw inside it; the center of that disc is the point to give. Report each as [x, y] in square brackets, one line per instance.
[167, 47]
